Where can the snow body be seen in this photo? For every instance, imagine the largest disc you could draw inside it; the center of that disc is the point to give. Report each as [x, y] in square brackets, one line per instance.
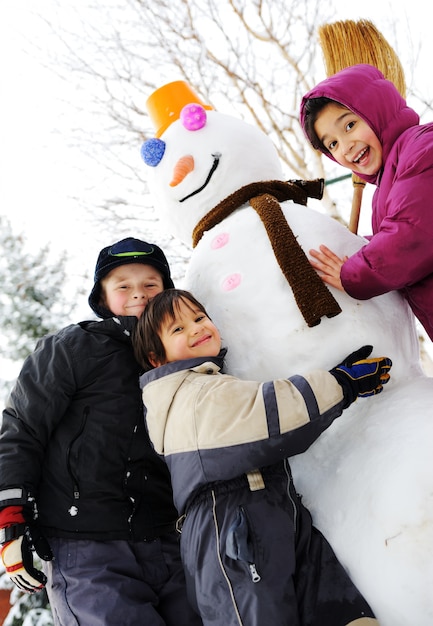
[368, 480]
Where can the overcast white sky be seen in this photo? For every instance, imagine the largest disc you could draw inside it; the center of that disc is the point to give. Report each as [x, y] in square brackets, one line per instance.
[39, 172]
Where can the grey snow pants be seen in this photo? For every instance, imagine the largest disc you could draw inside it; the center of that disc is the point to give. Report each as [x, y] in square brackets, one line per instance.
[118, 583]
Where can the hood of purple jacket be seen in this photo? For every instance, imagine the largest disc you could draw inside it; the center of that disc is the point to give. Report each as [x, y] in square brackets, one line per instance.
[364, 90]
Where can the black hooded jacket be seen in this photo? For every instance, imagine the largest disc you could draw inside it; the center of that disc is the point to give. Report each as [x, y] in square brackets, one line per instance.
[73, 439]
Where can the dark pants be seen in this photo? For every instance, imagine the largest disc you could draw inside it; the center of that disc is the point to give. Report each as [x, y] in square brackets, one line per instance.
[254, 558]
[104, 583]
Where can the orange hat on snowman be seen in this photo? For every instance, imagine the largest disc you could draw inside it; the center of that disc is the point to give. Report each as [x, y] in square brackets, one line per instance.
[171, 102]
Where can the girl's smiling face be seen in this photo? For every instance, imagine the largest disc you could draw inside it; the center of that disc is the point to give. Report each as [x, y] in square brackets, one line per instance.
[189, 334]
[349, 139]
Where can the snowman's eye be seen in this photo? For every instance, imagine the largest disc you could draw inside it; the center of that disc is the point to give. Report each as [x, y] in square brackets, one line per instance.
[193, 116]
[152, 151]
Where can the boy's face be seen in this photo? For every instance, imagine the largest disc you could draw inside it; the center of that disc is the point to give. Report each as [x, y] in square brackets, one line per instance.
[126, 289]
[349, 139]
[191, 334]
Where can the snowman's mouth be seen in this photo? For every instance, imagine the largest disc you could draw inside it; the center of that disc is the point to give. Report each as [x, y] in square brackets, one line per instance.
[216, 160]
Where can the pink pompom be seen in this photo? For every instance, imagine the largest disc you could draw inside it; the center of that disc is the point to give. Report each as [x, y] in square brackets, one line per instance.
[193, 116]
[219, 241]
[231, 282]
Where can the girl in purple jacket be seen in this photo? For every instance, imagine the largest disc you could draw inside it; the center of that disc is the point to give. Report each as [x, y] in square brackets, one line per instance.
[359, 119]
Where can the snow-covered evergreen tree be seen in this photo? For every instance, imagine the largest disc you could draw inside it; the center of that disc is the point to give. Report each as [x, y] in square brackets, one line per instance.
[32, 302]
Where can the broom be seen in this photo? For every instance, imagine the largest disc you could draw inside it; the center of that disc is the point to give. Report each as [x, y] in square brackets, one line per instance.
[348, 43]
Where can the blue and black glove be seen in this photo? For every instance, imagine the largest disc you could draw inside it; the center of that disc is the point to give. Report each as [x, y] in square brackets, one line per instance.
[361, 377]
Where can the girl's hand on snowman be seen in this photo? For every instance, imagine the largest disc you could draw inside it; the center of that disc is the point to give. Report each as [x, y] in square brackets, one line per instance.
[328, 264]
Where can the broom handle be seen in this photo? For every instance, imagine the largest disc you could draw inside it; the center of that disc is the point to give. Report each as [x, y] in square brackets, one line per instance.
[358, 188]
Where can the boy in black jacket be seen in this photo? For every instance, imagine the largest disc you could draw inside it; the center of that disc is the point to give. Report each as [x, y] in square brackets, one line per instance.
[79, 479]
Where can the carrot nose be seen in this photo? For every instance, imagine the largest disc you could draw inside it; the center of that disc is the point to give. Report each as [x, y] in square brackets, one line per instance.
[183, 167]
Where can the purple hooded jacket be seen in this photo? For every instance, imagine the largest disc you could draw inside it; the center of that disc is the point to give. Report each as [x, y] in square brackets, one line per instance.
[400, 252]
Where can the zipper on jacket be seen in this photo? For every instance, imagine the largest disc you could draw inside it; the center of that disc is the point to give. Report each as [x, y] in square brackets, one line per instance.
[76, 485]
[255, 576]
[291, 498]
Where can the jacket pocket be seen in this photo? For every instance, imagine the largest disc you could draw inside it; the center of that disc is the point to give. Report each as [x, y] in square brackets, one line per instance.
[240, 545]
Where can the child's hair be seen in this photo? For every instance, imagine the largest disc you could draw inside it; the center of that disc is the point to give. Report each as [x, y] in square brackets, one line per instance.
[146, 338]
[312, 108]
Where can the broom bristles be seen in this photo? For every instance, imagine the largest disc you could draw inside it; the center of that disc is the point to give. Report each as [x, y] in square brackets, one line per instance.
[348, 43]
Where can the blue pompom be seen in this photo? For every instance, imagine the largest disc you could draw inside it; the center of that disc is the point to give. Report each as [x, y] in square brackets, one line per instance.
[152, 151]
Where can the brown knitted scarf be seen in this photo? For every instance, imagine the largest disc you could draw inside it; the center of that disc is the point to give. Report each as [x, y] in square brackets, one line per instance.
[313, 298]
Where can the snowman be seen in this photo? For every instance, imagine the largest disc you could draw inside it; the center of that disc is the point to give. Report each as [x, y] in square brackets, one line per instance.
[218, 186]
